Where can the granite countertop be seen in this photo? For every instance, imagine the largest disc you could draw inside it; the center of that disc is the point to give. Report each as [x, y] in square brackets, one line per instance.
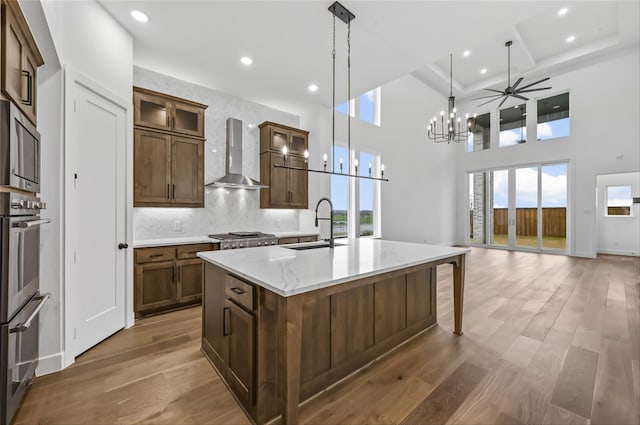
[288, 272]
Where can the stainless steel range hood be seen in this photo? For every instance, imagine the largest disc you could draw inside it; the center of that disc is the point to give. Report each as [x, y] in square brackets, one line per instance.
[234, 177]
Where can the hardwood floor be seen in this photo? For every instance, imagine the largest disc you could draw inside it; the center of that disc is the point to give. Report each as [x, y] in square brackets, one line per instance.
[548, 339]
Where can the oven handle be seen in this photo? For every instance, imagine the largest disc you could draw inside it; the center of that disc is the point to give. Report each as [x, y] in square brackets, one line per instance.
[32, 223]
[27, 323]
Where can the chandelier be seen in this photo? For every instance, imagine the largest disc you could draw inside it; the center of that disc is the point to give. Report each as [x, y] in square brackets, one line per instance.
[450, 131]
[345, 16]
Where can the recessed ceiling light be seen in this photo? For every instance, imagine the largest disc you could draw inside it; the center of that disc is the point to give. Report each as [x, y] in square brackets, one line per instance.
[483, 71]
[139, 16]
[517, 106]
[246, 60]
[563, 11]
[571, 38]
[466, 53]
[312, 88]
[556, 106]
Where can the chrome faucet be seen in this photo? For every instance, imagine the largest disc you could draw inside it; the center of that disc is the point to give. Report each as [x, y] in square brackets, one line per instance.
[330, 218]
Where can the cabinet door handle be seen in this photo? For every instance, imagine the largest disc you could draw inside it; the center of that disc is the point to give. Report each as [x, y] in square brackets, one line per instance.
[155, 255]
[237, 291]
[168, 121]
[173, 122]
[168, 191]
[225, 312]
[174, 191]
[29, 100]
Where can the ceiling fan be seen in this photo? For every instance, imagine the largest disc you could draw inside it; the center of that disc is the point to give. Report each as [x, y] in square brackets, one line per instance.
[513, 91]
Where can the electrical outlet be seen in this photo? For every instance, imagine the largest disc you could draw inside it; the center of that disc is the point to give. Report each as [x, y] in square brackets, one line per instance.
[177, 226]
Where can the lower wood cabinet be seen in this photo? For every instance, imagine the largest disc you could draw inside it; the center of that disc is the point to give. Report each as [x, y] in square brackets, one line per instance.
[168, 277]
[343, 328]
[297, 239]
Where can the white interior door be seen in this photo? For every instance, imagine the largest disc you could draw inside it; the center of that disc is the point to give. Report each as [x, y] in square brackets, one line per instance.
[95, 215]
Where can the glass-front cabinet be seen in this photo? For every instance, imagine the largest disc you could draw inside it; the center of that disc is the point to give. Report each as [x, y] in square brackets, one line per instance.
[163, 112]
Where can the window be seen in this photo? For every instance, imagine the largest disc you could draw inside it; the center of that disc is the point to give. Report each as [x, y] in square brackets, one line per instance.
[619, 200]
[513, 125]
[342, 108]
[369, 104]
[356, 202]
[553, 117]
[367, 195]
[480, 137]
[340, 194]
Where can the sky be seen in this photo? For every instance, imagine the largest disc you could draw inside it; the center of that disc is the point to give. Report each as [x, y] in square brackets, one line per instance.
[554, 187]
[340, 185]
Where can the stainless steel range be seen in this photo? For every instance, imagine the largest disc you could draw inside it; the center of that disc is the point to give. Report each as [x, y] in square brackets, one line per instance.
[235, 240]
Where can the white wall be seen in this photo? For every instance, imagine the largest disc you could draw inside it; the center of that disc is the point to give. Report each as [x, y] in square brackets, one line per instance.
[604, 110]
[225, 209]
[87, 39]
[618, 234]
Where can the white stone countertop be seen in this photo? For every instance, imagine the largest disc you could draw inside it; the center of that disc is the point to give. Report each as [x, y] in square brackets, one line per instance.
[288, 272]
[295, 234]
[146, 243]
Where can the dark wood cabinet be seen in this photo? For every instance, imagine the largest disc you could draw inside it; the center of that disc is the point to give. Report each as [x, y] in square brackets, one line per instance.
[168, 150]
[240, 354]
[297, 239]
[342, 328]
[163, 112]
[20, 60]
[287, 188]
[168, 170]
[168, 277]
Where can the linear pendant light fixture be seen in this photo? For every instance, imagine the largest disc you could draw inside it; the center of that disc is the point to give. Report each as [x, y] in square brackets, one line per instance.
[339, 11]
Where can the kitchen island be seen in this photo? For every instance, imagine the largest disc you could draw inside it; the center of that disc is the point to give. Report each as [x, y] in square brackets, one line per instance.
[280, 324]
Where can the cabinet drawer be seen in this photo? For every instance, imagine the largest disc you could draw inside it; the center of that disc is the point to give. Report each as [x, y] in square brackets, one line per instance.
[190, 251]
[239, 291]
[284, 241]
[308, 238]
[148, 255]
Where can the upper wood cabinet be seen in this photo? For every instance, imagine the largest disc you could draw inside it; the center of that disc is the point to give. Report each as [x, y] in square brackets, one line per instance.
[167, 170]
[20, 60]
[287, 188]
[168, 152]
[163, 112]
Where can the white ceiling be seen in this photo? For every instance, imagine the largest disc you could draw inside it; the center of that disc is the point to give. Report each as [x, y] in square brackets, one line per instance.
[290, 43]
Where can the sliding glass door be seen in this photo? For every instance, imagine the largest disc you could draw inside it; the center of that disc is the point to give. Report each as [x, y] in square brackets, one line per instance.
[527, 207]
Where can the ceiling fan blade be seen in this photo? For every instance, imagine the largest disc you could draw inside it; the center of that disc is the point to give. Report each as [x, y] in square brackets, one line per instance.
[530, 90]
[488, 101]
[497, 91]
[533, 84]
[513, 87]
[487, 97]
[520, 97]
[503, 100]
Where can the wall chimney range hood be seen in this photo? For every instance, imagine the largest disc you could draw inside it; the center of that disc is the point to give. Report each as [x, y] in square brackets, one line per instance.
[234, 178]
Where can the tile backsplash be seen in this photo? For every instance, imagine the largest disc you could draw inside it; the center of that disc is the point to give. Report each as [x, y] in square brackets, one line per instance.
[225, 209]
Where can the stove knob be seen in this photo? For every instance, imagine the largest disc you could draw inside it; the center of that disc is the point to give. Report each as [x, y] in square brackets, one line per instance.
[17, 203]
[273, 242]
[259, 243]
[233, 246]
[42, 205]
[240, 245]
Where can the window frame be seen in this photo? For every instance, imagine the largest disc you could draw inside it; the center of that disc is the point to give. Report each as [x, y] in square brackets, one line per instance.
[548, 95]
[607, 206]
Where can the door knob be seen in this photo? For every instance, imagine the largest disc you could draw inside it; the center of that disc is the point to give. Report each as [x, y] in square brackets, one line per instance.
[123, 246]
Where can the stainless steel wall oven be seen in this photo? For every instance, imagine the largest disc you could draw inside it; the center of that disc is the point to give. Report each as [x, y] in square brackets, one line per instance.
[19, 150]
[20, 297]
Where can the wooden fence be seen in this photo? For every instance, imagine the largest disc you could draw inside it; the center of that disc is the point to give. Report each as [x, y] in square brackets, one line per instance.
[554, 221]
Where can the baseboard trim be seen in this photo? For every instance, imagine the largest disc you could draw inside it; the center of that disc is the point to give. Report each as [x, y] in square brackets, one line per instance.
[50, 364]
[616, 252]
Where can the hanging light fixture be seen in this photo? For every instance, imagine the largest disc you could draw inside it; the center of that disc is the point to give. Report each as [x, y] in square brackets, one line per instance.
[338, 11]
[450, 131]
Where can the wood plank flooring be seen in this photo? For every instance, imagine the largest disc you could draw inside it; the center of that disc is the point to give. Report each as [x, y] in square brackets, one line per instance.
[547, 340]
